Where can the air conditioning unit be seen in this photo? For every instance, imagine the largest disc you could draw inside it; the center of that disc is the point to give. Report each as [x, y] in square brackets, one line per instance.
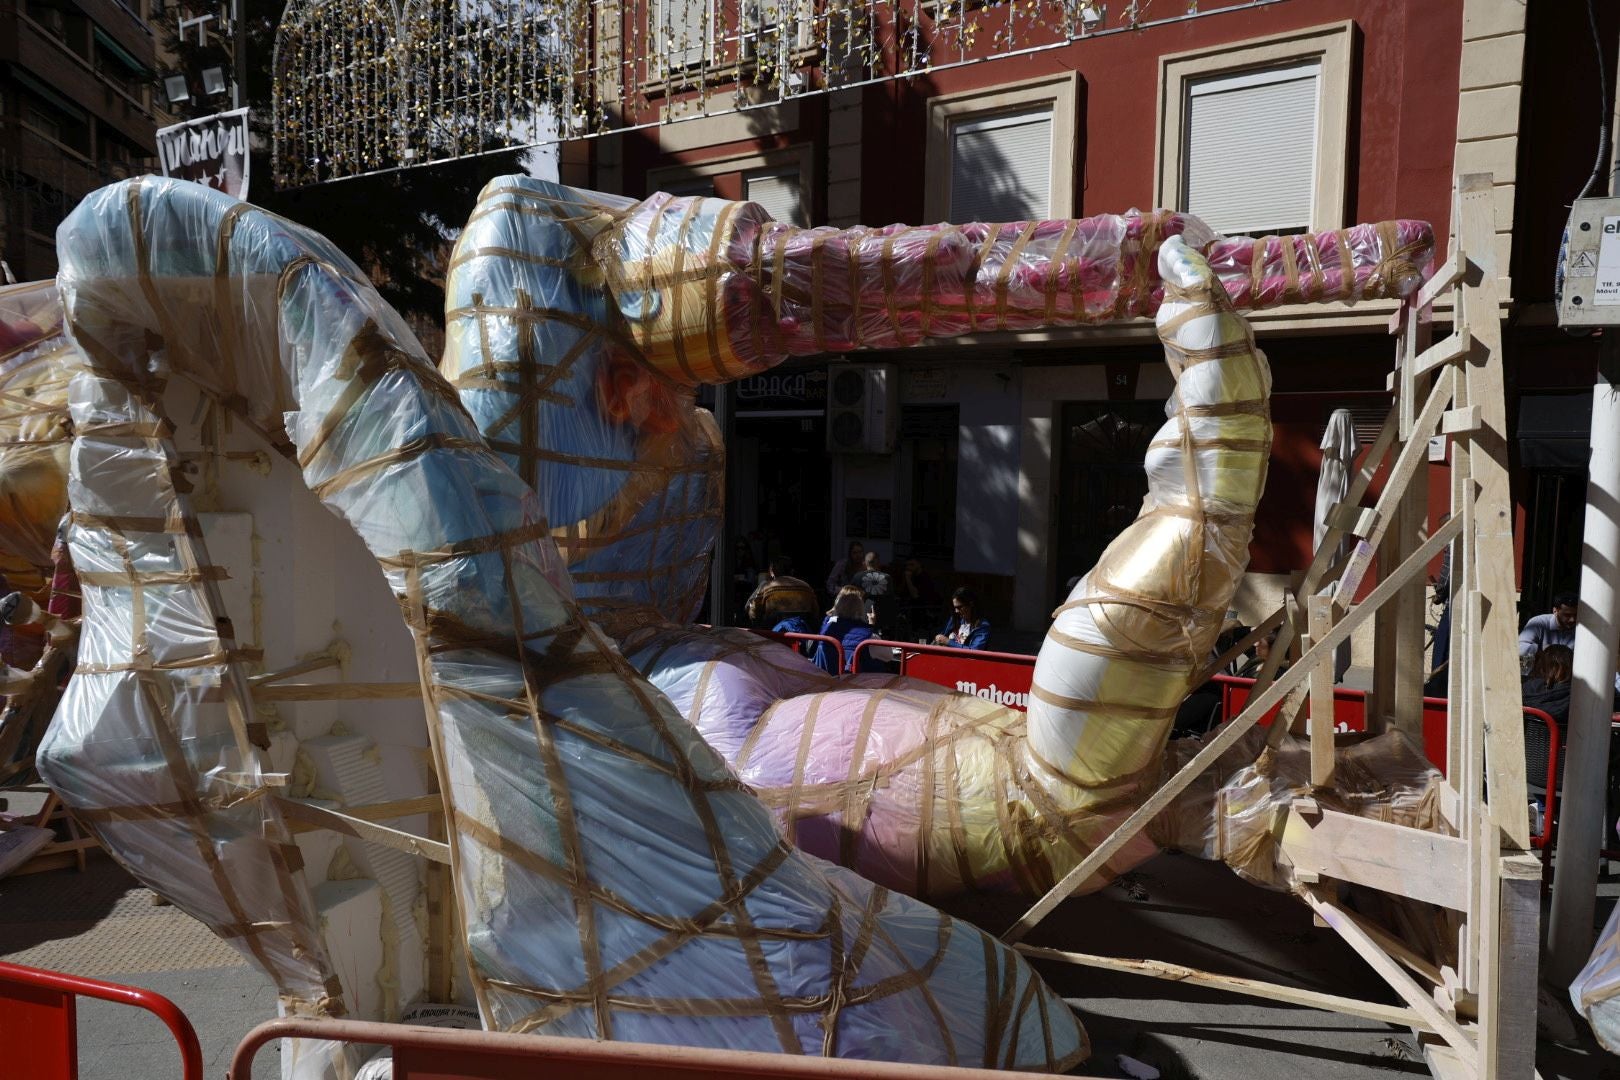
[863, 408]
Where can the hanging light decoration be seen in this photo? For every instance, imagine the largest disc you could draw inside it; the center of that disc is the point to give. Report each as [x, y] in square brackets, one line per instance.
[363, 86]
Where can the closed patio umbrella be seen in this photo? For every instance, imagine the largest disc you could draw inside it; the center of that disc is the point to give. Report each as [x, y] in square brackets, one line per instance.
[1339, 447]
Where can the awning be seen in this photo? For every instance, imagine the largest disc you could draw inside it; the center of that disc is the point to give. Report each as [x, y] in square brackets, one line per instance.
[1555, 430]
[120, 53]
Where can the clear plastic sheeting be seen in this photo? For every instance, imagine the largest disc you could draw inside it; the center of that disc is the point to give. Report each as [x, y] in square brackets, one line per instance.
[1596, 990]
[580, 322]
[1234, 812]
[615, 879]
[36, 363]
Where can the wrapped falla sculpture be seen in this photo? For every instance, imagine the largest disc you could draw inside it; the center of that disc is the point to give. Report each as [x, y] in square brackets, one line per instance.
[917, 788]
[634, 806]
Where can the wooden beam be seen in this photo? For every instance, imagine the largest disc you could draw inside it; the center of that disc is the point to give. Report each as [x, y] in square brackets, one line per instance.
[1446, 277]
[341, 691]
[1402, 698]
[1215, 666]
[1494, 561]
[1449, 351]
[1358, 521]
[1402, 983]
[1257, 707]
[1457, 421]
[303, 667]
[1511, 1019]
[350, 825]
[1396, 859]
[1320, 621]
[1293, 995]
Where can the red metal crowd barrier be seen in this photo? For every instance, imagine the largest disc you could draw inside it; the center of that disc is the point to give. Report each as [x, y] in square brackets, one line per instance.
[796, 638]
[1003, 678]
[424, 1053]
[39, 1022]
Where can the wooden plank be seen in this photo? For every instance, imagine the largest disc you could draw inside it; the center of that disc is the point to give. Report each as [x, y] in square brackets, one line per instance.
[1217, 665]
[1402, 983]
[1456, 421]
[1454, 348]
[360, 828]
[1446, 277]
[1320, 621]
[1157, 969]
[1402, 701]
[1417, 964]
[1358, 521]
[1518, 943]
[1402, 861]
[1494, 561]
[1446, 1064]
[335, 691]
[303, 667]
[1485, 864]
[1257, 707]
[397, 808]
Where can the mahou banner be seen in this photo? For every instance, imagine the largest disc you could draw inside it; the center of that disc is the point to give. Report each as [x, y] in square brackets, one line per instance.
[212, 151]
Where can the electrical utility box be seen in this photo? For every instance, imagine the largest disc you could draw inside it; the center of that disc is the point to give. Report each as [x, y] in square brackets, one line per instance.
[1592, 265]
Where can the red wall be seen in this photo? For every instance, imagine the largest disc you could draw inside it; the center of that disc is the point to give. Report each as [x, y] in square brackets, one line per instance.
[1403, 107]
[1402, 125]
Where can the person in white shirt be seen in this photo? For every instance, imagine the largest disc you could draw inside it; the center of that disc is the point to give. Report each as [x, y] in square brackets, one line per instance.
[1557, 627]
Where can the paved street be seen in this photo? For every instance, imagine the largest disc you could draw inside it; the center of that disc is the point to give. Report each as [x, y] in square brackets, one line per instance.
[101, 923]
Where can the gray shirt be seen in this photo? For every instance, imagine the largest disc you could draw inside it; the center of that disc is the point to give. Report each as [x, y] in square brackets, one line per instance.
[1542, 631]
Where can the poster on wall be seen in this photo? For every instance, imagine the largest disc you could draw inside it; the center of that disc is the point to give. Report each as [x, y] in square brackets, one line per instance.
[211, 150]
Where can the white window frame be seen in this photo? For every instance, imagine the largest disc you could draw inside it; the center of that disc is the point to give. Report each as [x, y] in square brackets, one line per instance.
[800, 159]
[1055, 92]
[666, 65]
[1330, 45]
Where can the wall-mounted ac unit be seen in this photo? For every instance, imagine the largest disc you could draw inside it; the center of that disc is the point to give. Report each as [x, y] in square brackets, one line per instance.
[863, 408]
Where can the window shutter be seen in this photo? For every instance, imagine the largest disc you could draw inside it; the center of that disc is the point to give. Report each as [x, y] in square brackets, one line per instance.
[779, 194]
[682, 33]
[1001, 168]
[1250, 149]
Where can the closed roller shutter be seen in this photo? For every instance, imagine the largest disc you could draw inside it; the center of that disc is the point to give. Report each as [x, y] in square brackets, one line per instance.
[1251, 149]
[779, 193]
[1001, 167]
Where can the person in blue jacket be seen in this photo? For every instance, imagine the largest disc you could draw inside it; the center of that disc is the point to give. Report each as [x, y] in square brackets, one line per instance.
[846, 622]
[965, 630]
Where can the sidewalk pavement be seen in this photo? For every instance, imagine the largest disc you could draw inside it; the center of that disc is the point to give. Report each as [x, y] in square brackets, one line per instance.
[1176, 908]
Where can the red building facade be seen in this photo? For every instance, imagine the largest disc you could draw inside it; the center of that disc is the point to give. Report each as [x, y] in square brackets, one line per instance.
[1017, 456]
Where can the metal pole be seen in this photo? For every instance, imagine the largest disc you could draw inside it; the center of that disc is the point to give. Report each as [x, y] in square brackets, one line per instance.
[720, 564]
[238, 53]
[1570, 932]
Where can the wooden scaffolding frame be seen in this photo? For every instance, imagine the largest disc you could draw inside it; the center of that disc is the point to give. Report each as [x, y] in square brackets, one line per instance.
[1476, 1020]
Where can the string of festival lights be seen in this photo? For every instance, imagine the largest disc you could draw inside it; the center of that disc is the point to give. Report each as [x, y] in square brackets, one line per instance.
[364, 86]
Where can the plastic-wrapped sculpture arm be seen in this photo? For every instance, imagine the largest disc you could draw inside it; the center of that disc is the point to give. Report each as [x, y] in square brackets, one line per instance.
[615, 879]
[781, 291]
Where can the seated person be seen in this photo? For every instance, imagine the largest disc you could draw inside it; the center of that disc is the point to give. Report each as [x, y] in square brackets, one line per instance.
[782, 602]
[1548, 684]
[847, 623]
[1557, 627]
[965, 630]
